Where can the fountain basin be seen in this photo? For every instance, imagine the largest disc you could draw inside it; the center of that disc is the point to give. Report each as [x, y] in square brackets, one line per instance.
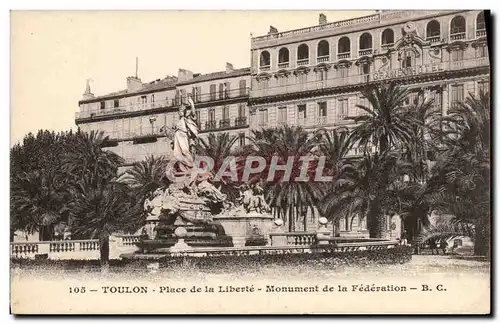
[250, 229]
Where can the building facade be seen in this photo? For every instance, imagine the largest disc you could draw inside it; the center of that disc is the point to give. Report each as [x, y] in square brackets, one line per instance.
[310, 77]
[138, 119]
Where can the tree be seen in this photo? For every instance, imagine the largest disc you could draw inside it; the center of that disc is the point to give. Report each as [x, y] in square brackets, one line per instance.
[103, 208]
[148, 175]
[289, 197]
[462, 170]
[385, 125]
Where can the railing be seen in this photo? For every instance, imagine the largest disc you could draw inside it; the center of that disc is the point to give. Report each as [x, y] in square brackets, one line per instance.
[302, 62]
[265, 67]
[358, 79]
[201, 98]
[301, 31]
[73, 248]
[481, 33]
[457, 36]
[341, 56]
[293, 238]
[321, 120]
[130, 239]
[387, 46]
[364, 52]
[283, 65]
[224, 123]
[211, 124]
[322, 59]
[240, 121]
[434, 39]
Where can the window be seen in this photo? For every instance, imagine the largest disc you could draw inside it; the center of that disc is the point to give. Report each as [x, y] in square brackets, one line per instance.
[227, 88]
[322, 109]
[408, 60]
[152, 98]
[213, 91]
[302, 111]
[480, 23]
[436, 98]
[365, 103]
[342, 108]
[365, 41]
[482, 50]
[344, 45]
[457, 94]
[457, 25]
[241, 139]
[193, 93]
[211, 114]
[183, 96]
[387, 37]
[241, 110]
[243, 87]
[263, 115]
[303, 52]
[365, 68]
[282, 117]
[198, 94]
[283, 55]
[411, 99]
[343, 71]
[198, 118]
[144, 99]
[322, 75]
[433, 29]
[457, 55]
[177, 97]
[116, 103]
[103, 105]
[166, 100]
[225, 112]
[265, 59]
[323, 49]
[484, 86]
[221, 91]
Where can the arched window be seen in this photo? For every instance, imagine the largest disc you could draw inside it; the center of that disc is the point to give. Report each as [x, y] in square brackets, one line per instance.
[388, 37]
[457, 25]
[265, 59]
[433, 29]
[303, 52]
[365, 41]
[480, 23]
[344, 45]
[283, 55]
[323, 48]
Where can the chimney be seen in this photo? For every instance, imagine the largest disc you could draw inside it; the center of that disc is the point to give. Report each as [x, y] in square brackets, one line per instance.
[272, 30]
[322, 19]
[88, 93]
[133, 84]
[184, 75]
[229, 67]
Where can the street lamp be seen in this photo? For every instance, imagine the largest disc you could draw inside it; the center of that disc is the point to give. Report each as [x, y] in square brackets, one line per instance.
[152, 120]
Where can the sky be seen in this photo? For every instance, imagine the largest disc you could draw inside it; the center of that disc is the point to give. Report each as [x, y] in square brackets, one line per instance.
[54, 52]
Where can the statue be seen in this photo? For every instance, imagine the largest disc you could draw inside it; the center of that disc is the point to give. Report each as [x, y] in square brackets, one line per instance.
[185, 137]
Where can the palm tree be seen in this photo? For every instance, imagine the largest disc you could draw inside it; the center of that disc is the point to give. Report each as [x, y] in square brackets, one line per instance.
[148, 175]
[462, 171]
[290, 198]
[385, 125]
[102, 208]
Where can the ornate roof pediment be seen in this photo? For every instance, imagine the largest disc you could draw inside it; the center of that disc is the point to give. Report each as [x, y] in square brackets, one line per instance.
[322, 67]
[342, 63]
[263, 76]
[456, 45]
[364, 59]
[301, 70]
[282, 73]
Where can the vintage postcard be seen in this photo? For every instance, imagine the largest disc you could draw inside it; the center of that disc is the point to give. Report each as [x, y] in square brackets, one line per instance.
[250, 162]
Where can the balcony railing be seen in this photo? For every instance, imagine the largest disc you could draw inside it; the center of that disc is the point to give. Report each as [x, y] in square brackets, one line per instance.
[365, 52]
[321, 120]
[387, 46]
[481, 33]
[263, 124]
[202, 98]
[224, 123]
[240, 121]
[283, 65]
[341, 56]
[265, 67]
[211, 124]
[359, 79]
[457, 36]
[322, 59]
[302, 62]
[434, 39]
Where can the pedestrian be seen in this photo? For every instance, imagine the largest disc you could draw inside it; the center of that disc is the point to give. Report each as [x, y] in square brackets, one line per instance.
[444, 245]
[433, 245]
[404, 238]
